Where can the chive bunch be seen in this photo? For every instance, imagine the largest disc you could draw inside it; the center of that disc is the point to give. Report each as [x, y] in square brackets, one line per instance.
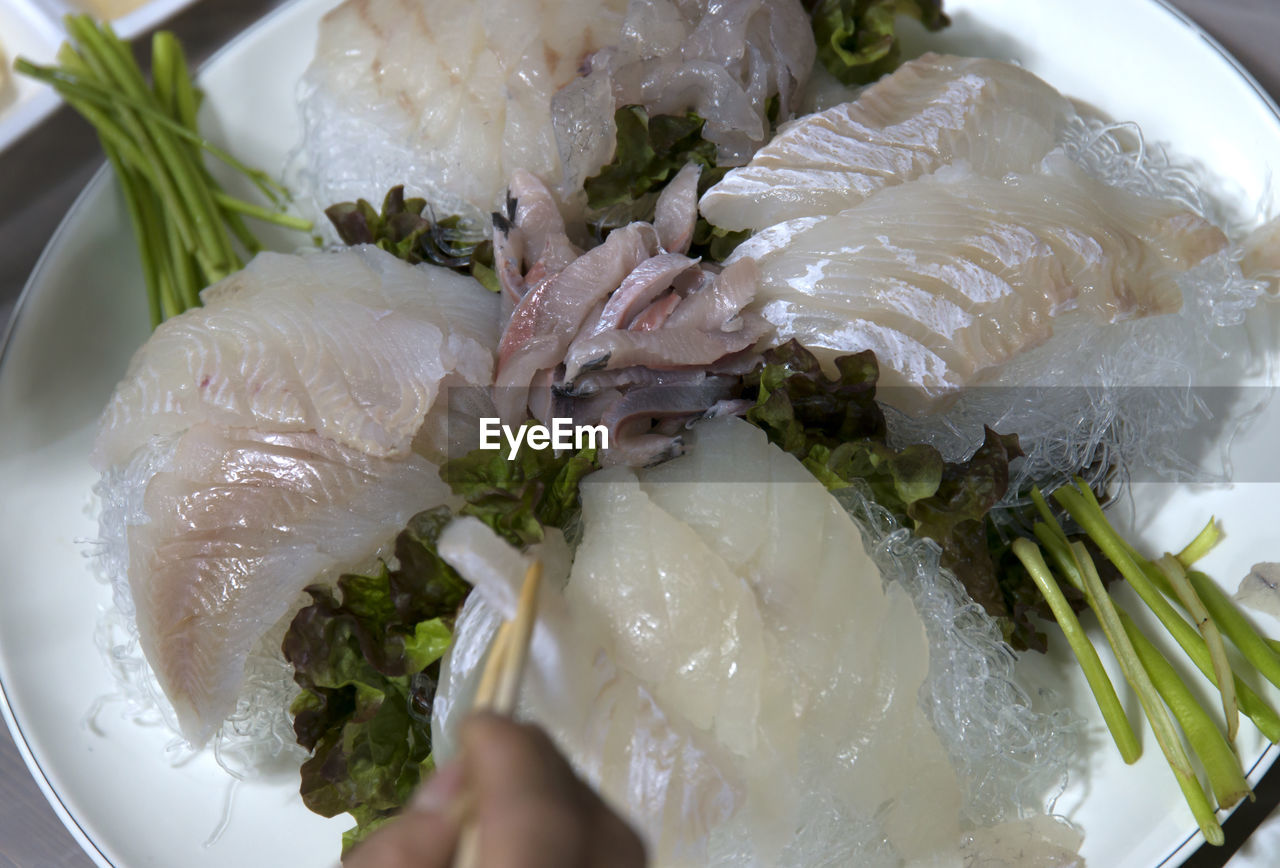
[1166, 700]
[190, 232]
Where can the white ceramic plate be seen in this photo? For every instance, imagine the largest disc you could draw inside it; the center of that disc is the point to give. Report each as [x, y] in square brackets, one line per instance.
[33, 29]
[83, 314]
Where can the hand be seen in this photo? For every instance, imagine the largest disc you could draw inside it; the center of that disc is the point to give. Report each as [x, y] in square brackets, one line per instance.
[530, 809]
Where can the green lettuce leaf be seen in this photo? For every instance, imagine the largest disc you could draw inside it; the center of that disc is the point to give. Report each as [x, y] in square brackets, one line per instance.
[366, 655]
[714, 244]
[647, 155]
[857, 39]
[649, 152]
[954, 516]
[519, 497]
[834, 425]
[366, 652]
[406, 229]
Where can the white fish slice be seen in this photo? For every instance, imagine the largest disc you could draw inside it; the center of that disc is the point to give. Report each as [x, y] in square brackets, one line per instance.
[352, 344]
[297, 393]
[447, 98]
[723, 662]
[950, 276]
[932, 112]
[661, 593]
[240, 523]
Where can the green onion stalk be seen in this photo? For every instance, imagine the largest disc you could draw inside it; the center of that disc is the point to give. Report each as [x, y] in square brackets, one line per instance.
[190, 232]
[1165, 585]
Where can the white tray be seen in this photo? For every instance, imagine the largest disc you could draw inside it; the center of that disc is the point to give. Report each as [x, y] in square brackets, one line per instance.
[33, 29]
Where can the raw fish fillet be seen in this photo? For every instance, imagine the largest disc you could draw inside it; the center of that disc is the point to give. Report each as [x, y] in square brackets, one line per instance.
[632, 334]
[295, 401]
[727, 62]
[724, 663]
[950, 276]
[352, 344]
[448, 98]
[932, 112]
[240, 523]
[724, 61]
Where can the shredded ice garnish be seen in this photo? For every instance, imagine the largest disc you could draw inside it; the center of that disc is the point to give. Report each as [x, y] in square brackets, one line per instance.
[1131, 395]
[1011, 760]
[259, 734]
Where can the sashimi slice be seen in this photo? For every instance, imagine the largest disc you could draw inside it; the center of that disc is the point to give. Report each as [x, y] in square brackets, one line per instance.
[352, 344]
[446, 98]
[950, 276]
[296, 398]
[724, 663]
[240, 523]
[665, 776]
[661, 593]
[933, 111]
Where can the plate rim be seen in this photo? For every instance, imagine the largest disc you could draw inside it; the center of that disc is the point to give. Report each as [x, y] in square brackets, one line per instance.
[18, 120]
[1209, 39]
[101, 177]
[1191, 845]
[54, 799]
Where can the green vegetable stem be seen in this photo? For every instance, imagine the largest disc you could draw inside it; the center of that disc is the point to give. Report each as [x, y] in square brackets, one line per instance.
[1151, 698]
[1191, 602]
[1153, 586]
[1212, 749]
[186, 226]
[1087, 656]
[1167, 701]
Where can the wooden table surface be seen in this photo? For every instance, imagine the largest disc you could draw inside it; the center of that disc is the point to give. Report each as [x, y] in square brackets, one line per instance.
[42, 174]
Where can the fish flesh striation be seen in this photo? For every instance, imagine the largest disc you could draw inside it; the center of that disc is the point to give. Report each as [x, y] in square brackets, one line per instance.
[722, 659]
[446, 98]
[352, 344]
[932, 112]
[240, 523]
[948, 277]
[936, 221]
[296, 400]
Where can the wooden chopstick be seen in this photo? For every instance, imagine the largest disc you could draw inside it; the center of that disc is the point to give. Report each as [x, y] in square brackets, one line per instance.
[500, 685]
[517, 649]
[488, 687]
